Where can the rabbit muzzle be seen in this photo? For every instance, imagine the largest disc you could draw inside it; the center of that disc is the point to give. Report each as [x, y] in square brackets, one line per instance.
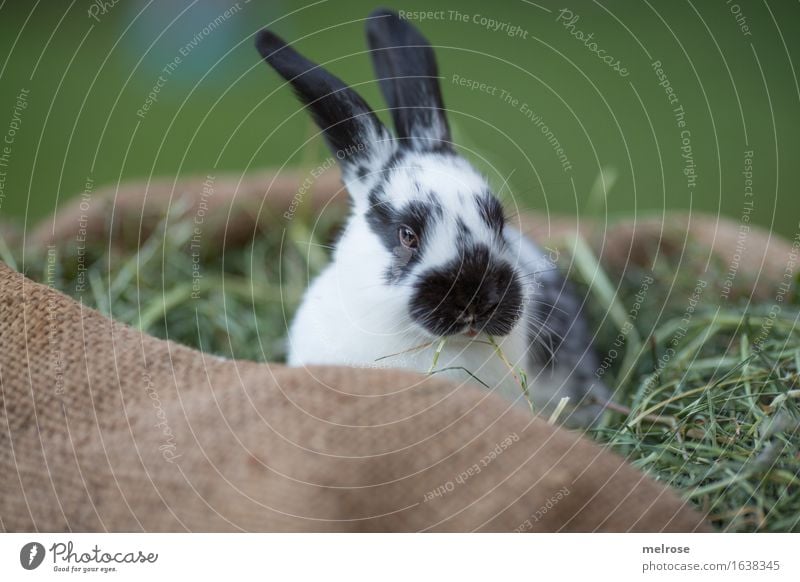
[474, 293]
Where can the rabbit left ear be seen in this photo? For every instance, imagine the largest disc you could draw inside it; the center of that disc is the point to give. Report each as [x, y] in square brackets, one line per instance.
[352, 130]
[409, 79]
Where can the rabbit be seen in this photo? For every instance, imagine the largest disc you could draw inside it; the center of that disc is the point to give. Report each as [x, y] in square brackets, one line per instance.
[428, 273]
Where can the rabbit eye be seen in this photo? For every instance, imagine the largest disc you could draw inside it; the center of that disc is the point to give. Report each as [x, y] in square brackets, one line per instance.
[408, 238]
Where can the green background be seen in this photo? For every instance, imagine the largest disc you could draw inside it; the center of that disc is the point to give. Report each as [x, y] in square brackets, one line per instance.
[222, 110]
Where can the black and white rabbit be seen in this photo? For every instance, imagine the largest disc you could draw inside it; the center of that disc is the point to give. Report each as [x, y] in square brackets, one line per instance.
[427, 253]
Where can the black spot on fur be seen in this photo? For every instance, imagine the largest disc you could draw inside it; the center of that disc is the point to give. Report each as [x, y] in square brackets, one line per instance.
[394, 162]
[348, 123]
[558, 333]
[362, 172]
[409, 79]
[385, 221]
[464, 236]
[475, 289]
[491, 211]
[377, 196]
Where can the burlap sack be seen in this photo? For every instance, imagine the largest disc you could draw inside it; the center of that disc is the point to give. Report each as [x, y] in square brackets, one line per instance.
[106, 429]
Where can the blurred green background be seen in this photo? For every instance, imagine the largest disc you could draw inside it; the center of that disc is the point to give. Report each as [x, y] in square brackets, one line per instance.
[85, 68]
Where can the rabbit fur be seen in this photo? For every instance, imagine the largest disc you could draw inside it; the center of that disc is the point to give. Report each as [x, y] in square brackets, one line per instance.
[428, 269]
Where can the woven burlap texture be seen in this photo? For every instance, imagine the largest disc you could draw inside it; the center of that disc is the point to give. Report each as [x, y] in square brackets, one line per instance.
[104, 428]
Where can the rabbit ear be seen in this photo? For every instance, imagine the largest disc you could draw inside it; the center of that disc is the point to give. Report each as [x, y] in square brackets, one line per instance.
[406, 68]
[351, 128]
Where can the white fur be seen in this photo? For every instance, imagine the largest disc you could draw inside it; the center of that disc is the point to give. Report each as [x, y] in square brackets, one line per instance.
[352, 316]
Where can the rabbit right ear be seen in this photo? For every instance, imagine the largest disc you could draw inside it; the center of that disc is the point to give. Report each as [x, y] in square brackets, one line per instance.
[409, 79]
[351, 128]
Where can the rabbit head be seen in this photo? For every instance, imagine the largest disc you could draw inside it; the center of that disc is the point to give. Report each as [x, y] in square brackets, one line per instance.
[425, 223]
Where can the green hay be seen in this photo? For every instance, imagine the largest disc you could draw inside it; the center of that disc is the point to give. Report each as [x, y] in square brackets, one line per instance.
[710, 406]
